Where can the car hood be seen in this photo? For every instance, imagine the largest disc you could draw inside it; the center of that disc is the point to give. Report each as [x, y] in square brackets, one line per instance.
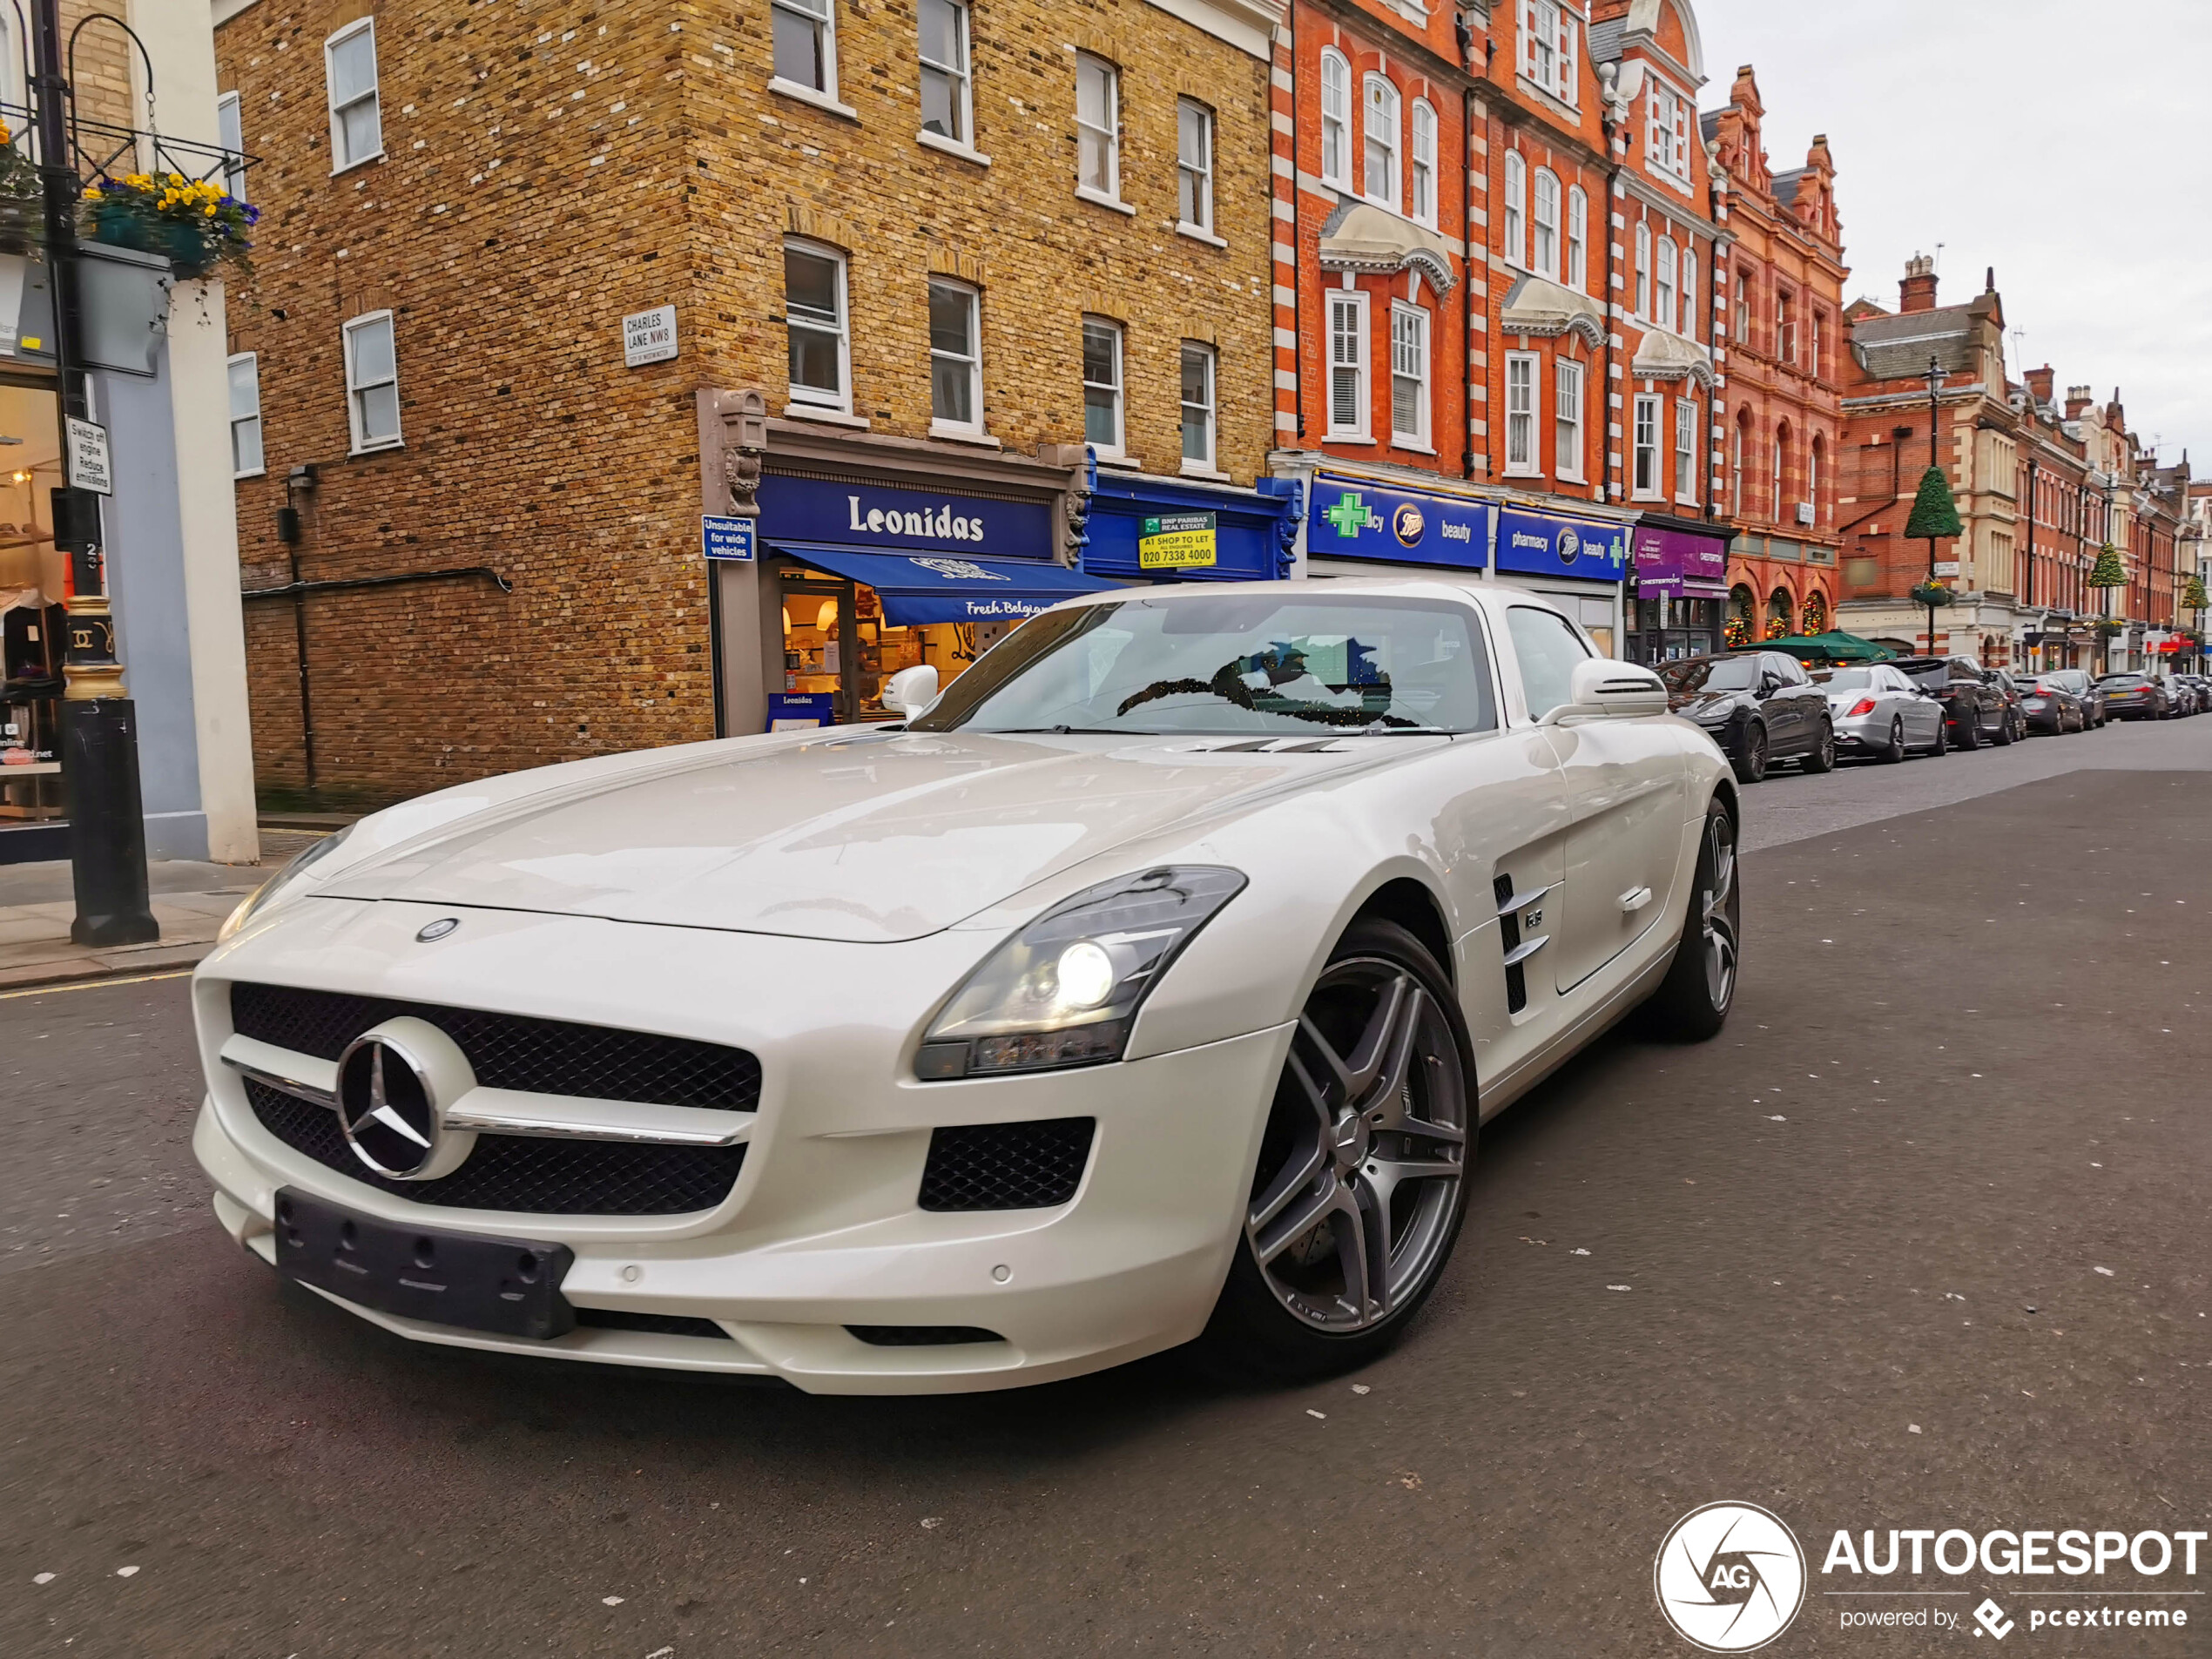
[874, 836]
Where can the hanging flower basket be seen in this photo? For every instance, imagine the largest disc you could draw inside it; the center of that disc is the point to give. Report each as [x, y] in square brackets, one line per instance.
[22, 202]
[1929, 595]
[195, 226]
[2108, 629]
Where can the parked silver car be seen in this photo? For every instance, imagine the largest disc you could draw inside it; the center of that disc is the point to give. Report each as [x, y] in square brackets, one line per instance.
[1877, 710]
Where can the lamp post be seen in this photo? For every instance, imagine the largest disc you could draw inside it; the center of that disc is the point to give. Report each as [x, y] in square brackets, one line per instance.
[107, 842]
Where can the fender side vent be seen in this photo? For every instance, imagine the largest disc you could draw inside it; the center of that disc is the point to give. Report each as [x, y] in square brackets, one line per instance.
[1509, 940]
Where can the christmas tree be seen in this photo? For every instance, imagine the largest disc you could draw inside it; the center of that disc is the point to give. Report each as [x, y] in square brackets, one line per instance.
[2105, 573]
[1935, 512]
[2193, 597]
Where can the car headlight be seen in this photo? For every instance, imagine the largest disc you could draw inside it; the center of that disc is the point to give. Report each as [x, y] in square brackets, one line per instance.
[1066, 989]
[311, 853]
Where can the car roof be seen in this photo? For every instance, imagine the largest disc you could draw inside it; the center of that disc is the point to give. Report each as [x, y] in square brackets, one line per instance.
[1444, 586]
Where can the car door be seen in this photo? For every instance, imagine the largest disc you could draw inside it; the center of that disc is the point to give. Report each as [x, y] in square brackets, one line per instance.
[1922, 715]
[1976, 695]
[1624, 802]
[1807, 704]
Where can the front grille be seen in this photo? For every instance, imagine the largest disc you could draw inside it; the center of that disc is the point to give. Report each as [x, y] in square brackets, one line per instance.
[528, 1174]
[1007, 1166]
[666, 1325]
[514, 1051]
[922, 1336]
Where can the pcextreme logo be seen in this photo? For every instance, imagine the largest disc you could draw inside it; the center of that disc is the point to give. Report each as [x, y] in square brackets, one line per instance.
[1729, 1577]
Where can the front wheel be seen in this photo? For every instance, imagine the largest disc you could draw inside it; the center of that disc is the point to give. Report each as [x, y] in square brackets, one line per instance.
[1361, 1182]
[1943, 738]
[2004, 734]
[1692, 1002]
[1751, 764]
[1893, 751]
[1823, 757]
[1970, 730]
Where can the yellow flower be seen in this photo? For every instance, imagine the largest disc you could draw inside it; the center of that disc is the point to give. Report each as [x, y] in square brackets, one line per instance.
[176, 178]
[92, 194]
[209, 209]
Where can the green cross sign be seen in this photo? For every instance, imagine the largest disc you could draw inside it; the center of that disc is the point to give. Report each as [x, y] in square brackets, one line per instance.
[1350, 516]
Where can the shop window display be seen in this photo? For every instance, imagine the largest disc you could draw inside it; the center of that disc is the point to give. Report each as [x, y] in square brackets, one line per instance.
[838, 646]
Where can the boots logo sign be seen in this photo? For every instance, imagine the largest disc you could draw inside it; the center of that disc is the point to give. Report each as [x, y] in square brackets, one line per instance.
[1729, 1577]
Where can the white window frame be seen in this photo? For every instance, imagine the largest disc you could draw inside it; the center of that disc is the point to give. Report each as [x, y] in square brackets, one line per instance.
[1736, 429]
[230, 134]
[1379, 120]
[1569, 389]
[1516, 214]
[1543, 225]
[252, 419]
[1110, 134]
[1548, 58]
[348, 330]
[1645, 450]
[1667, 135]
[1198, 172]
[1195, 351]
[960, 76]
[1335, 119]
[1785, 325]
[1350, 305]
[1814, 446]
[1686, 449]
[1422, 149]
[814, 397]
[1692, 302]
[1667, 292]
[373, 96]
[1524, 407]
[1774, 499]
[1578, 238]
[825, 20]
[1118, 386]
[1409, 363]
[974, 359]
[1643, 269]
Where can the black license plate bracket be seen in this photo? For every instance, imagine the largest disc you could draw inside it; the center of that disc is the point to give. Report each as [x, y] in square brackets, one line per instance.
[475, 1281]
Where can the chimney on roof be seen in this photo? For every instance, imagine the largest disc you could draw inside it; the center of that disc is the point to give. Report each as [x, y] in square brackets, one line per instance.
[2040, 383]
[2077, 400]
[1917, 291]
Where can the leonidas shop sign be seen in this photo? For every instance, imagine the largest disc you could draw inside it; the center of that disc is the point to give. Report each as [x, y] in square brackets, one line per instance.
[885, 516]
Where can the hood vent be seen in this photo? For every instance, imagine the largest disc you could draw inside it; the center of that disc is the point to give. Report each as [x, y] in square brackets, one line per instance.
[1267, 746]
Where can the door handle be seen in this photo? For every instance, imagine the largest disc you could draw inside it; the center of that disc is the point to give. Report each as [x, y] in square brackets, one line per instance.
[1635, 899]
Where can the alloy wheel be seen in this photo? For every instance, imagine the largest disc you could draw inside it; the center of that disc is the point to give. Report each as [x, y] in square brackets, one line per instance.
[1719, 922]
[1353, 1205]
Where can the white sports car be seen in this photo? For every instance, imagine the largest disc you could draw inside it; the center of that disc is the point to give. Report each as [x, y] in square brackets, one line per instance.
[1147, 986]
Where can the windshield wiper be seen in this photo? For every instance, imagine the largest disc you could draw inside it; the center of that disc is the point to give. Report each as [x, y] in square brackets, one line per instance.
[1056, 731]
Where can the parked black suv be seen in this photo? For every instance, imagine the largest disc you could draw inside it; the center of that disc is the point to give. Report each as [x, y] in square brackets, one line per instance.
[1758, 705]
[1973, 707]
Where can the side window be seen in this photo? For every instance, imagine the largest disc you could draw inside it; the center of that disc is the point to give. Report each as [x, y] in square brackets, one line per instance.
[1547, 648]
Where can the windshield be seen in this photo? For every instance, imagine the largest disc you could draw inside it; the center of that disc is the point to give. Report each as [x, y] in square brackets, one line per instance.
[1846, 679]
[1264, 664]
[1711, 674]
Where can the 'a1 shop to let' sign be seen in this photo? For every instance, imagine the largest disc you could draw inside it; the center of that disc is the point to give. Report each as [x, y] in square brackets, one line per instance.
[1176, 541]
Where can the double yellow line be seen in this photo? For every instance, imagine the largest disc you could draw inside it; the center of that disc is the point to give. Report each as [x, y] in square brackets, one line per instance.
[91, 984]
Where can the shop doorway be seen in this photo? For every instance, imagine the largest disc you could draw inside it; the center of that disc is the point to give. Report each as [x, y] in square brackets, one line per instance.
[34, 584]
[840, 650]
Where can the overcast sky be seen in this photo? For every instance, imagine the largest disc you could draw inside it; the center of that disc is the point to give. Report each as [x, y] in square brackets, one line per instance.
[2067, 146]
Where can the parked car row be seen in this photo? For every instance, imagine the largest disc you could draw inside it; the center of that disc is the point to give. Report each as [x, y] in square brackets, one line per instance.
[1762, 706]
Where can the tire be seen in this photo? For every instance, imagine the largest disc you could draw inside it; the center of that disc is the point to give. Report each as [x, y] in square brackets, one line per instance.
[1750, 765]
[1823, 757]
[1336, 1257]
[1894, 751]
[1943, 738]
[2004, 735]
[1970, 731]
[1692, 1002]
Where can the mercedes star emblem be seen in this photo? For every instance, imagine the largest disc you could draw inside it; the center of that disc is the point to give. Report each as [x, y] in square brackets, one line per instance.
[386, 1108]
[437, 929]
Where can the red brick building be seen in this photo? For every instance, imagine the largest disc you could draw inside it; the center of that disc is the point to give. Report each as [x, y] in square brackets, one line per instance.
[1780, 309]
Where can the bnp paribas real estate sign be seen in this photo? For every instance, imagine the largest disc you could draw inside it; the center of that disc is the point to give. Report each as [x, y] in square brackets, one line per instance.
[1175, 542]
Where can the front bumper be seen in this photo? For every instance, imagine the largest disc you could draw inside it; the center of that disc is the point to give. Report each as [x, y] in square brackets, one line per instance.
[822, 1230]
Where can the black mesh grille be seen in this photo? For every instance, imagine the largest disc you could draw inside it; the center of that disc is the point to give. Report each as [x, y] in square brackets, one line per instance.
[512, 1051]
[1006, 1166]
[533, 1174]
[922, 1336]
[666, 1325]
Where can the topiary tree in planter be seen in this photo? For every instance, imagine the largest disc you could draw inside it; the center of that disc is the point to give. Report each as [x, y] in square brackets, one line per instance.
[2104, 576]
[1934, 517]
[2193, 595]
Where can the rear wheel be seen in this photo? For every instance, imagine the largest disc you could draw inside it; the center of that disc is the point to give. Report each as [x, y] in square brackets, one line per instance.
[1751, 764]
[1823, 757]
[1970, 730]
[1692, 1002]
[2004, 734]
[1893, 751]
[1361, 1182]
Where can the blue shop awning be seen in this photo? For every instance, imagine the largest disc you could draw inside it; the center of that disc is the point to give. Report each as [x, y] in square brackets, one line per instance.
[947, 587]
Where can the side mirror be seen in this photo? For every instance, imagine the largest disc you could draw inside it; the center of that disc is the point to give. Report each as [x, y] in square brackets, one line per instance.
[911, 690]
[1600, 689]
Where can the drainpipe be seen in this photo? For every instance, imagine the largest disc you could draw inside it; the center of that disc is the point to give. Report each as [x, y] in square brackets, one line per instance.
[1467, 286]
[1297, 248]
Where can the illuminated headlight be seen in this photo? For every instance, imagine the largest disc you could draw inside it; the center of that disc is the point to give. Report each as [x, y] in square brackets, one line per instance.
[268, 890]
[1065, 990]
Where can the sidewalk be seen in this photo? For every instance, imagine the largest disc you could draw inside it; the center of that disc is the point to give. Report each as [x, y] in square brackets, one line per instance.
[190, 901]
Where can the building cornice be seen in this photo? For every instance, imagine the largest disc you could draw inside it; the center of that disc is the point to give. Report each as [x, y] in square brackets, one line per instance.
[1249, 26]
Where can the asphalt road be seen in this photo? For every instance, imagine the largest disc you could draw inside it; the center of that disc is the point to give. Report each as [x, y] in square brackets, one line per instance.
[1920, 1241]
